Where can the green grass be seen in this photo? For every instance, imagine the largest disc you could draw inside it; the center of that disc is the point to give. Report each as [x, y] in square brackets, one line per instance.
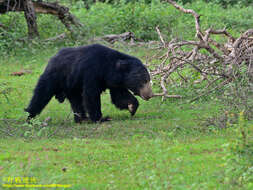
[164, 146]
[131, 163]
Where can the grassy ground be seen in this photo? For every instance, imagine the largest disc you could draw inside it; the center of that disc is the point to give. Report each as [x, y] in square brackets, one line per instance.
[164, 146]
[135, 162]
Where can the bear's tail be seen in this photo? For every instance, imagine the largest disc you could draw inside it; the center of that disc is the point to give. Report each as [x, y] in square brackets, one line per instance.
[43, 93]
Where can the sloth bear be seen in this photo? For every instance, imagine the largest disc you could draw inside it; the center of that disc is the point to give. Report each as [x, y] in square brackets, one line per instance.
[81, 74]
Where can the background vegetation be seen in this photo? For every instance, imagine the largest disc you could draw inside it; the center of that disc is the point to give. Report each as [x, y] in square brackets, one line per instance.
[171, 144]
[137, 17]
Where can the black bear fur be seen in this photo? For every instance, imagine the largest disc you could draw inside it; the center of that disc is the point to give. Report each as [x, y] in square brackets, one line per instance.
[81, 74]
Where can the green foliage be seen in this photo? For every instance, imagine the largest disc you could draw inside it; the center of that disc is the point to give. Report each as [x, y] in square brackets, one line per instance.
[13, 37]
[15, 30]
[139, 18]
[239, 157]
[227, 3]
[35, 129]
[224, 3]
[213, 15]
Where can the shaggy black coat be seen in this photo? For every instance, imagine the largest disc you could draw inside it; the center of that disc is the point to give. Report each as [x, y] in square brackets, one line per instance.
[81, 74]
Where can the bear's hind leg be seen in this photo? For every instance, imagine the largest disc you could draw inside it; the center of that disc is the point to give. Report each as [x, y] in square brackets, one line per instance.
[43, 93]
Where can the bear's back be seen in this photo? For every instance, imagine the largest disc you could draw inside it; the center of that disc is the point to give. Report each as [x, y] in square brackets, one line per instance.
[85, 56]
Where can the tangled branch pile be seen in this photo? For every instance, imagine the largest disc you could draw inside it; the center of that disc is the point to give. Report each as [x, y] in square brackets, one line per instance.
[213, 60]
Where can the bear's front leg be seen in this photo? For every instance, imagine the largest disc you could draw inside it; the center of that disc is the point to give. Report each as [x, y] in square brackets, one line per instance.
[123, 99]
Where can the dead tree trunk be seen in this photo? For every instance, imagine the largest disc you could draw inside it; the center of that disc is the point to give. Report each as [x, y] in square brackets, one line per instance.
[31, 8]
[30, 17]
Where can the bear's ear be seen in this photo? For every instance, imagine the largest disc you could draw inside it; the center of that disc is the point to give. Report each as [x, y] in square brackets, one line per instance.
[122, 65]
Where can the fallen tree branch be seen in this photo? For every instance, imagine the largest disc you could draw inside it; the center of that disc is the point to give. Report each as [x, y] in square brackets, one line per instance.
[167, 96]
[58, 37]
[217, 62]
[111, 38]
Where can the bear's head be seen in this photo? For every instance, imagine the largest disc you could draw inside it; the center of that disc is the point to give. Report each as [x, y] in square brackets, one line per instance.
[136, 77]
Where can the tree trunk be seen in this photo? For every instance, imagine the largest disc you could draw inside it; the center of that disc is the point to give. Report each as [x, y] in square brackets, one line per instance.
[30, 17]
[32, 7]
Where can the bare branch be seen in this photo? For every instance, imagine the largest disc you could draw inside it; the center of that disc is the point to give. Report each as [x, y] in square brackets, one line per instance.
[193, 13]
[209, 91]
[167, 96]
[160, 36]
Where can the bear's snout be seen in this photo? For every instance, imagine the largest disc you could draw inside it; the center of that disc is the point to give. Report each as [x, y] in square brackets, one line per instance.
[146, 91]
